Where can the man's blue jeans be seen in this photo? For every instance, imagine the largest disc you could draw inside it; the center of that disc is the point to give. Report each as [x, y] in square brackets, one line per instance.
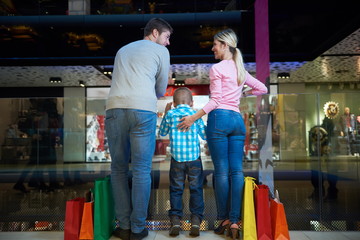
[131, 138]
[225, 137]
[194, 172]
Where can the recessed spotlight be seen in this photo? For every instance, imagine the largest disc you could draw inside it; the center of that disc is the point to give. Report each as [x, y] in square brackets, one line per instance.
[179, 83]
[55, 80]
[283, 75]
[108, 72]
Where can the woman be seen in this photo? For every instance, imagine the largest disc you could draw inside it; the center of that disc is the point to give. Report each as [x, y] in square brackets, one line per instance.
[226, 128]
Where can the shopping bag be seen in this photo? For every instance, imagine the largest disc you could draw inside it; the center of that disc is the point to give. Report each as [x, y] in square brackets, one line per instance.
[73, 216]
[262, 211]
[248, 207]
[87, 222]
[104, 217]
[280, 230]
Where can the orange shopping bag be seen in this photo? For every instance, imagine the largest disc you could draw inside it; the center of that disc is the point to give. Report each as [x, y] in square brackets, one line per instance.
[87, 223]
[280, 230]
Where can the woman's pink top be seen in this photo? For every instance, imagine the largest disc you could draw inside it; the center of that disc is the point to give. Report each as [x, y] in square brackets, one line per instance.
[225, 92]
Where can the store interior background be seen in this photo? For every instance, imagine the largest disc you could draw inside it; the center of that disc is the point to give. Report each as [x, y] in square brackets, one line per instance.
[321, 65]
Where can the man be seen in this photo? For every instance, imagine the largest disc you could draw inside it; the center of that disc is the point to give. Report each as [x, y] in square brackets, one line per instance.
[140, 76]
[347, 127]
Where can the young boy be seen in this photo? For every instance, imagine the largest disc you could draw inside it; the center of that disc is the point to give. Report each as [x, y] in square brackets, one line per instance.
[185, 161]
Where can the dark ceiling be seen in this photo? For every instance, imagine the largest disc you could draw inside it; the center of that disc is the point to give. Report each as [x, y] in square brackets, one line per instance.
[39, 33]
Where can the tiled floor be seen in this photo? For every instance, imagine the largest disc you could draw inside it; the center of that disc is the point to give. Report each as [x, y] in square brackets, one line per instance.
[208, 235]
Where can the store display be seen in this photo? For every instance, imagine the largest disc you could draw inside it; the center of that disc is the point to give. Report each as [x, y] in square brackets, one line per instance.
[251, 140]
[97, 149]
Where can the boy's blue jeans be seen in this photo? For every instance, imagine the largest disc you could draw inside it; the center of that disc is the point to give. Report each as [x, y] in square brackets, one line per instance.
[194, 172]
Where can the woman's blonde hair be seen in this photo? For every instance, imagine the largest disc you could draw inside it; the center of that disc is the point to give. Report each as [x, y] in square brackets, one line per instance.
[229, 37]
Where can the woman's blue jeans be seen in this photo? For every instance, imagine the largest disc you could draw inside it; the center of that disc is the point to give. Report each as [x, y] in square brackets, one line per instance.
[131, 138]
[225, 137]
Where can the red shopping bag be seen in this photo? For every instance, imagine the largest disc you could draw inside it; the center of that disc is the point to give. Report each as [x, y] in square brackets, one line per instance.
[280, 230]
[73, 216]
[262, 210]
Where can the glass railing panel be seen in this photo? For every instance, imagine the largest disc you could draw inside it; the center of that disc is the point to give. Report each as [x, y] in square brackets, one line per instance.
[62, 140]
[312, 168]
[338, 161]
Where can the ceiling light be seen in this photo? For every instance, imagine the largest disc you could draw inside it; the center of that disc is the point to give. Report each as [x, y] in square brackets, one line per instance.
[55, 80]
[81, 83]
[283, 75]
[179, 83]
[108, 71]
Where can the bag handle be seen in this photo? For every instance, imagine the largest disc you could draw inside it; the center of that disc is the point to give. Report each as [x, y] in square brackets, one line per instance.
[252, 181]
[277, 198]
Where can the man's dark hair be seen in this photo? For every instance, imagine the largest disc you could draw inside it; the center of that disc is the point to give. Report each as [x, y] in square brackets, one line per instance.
[159, 24]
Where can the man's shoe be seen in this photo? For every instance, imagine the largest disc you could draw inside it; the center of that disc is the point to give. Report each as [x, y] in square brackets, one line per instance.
[140, 235]
[175, 225]
[195, 226]
[123, 234]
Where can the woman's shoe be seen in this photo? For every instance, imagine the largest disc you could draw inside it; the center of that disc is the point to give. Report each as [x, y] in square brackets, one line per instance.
[234, 231]
[224, 224]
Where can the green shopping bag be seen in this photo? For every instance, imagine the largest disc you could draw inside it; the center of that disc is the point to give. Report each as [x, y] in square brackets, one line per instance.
[104, 216]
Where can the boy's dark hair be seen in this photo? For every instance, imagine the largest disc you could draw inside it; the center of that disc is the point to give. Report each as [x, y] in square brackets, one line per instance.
[183, 95]
[159, 24]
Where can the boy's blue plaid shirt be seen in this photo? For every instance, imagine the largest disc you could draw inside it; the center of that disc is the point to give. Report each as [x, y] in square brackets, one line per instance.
[185, 146]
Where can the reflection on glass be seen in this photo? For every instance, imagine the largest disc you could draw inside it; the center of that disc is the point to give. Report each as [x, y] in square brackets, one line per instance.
[46, 145]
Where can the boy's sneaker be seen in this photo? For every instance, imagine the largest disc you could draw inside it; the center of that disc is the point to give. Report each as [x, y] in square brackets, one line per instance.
[175, 225]
[195, 226]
